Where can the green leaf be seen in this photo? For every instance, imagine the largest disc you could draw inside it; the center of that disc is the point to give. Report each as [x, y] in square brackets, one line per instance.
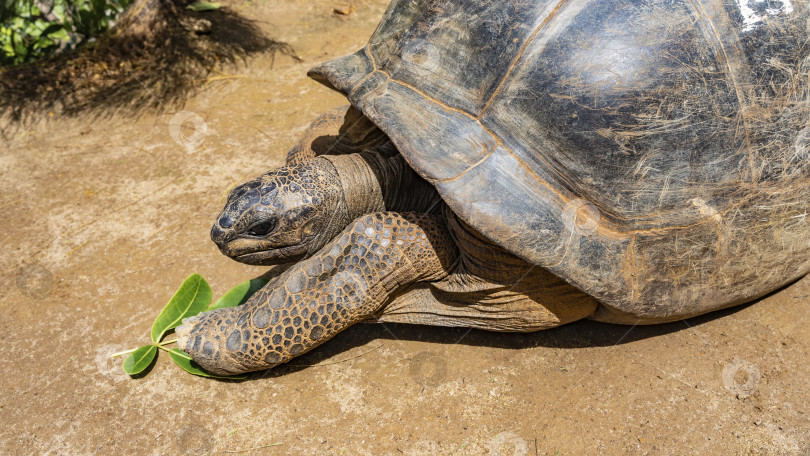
[184, 360]
[203, 6]
[140, 359]
[239, 294]
[59, 35]
[192, 298]
[53, 28]
[86, 23]
[98, 7]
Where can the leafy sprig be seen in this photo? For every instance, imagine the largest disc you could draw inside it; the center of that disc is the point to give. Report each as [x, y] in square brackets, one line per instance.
[193, 297]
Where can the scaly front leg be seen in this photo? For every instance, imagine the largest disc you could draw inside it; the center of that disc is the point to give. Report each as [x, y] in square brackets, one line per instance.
[344, 283]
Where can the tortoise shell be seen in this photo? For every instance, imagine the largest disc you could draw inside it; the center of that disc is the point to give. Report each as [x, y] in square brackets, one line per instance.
[654, 154]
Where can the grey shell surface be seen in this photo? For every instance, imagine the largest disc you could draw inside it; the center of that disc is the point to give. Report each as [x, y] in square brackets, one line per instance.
[654, 154]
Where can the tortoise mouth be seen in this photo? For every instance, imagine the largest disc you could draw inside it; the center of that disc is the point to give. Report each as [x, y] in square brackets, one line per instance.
[270, 257]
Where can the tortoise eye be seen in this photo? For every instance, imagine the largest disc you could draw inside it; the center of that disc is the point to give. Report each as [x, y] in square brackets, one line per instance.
[262, 228]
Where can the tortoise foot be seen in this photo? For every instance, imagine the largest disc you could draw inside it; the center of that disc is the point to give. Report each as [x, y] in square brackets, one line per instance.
[214, 340]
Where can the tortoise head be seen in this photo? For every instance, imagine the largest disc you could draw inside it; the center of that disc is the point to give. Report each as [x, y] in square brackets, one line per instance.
[282, 216]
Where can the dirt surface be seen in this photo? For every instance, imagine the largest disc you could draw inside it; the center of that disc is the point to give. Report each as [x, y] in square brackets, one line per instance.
[103, 219]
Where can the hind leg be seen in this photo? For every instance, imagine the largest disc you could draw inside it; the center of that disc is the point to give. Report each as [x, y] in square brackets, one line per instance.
[489, 289]
[531, 301]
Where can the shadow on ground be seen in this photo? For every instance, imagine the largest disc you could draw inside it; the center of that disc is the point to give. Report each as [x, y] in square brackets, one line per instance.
[580, 334]
[155, 58]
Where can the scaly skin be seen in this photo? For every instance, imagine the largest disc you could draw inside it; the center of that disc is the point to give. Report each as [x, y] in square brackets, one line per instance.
[365, 229]
[282, 216]
[301, 203]
[345, 282]
[290, 213]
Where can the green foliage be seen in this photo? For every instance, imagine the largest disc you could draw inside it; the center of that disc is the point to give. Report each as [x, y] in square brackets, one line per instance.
[183, 360]
[140, 359]
[239, 294]
[192, 298]
[32, 30]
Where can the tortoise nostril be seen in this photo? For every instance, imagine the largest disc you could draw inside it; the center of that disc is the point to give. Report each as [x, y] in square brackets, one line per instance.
[216, 233]
[220, 236]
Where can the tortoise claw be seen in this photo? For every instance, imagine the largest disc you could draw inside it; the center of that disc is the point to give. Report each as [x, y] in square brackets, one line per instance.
[182, 332]
[202, 339]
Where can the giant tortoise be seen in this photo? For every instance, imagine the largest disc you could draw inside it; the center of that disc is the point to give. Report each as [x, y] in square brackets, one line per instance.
[515, 166]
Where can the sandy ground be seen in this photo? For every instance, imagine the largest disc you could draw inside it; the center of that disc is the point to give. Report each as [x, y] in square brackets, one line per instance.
[103, 219]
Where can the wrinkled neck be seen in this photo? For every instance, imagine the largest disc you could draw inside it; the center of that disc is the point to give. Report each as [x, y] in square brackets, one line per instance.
[379, 179]
[362, 189]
